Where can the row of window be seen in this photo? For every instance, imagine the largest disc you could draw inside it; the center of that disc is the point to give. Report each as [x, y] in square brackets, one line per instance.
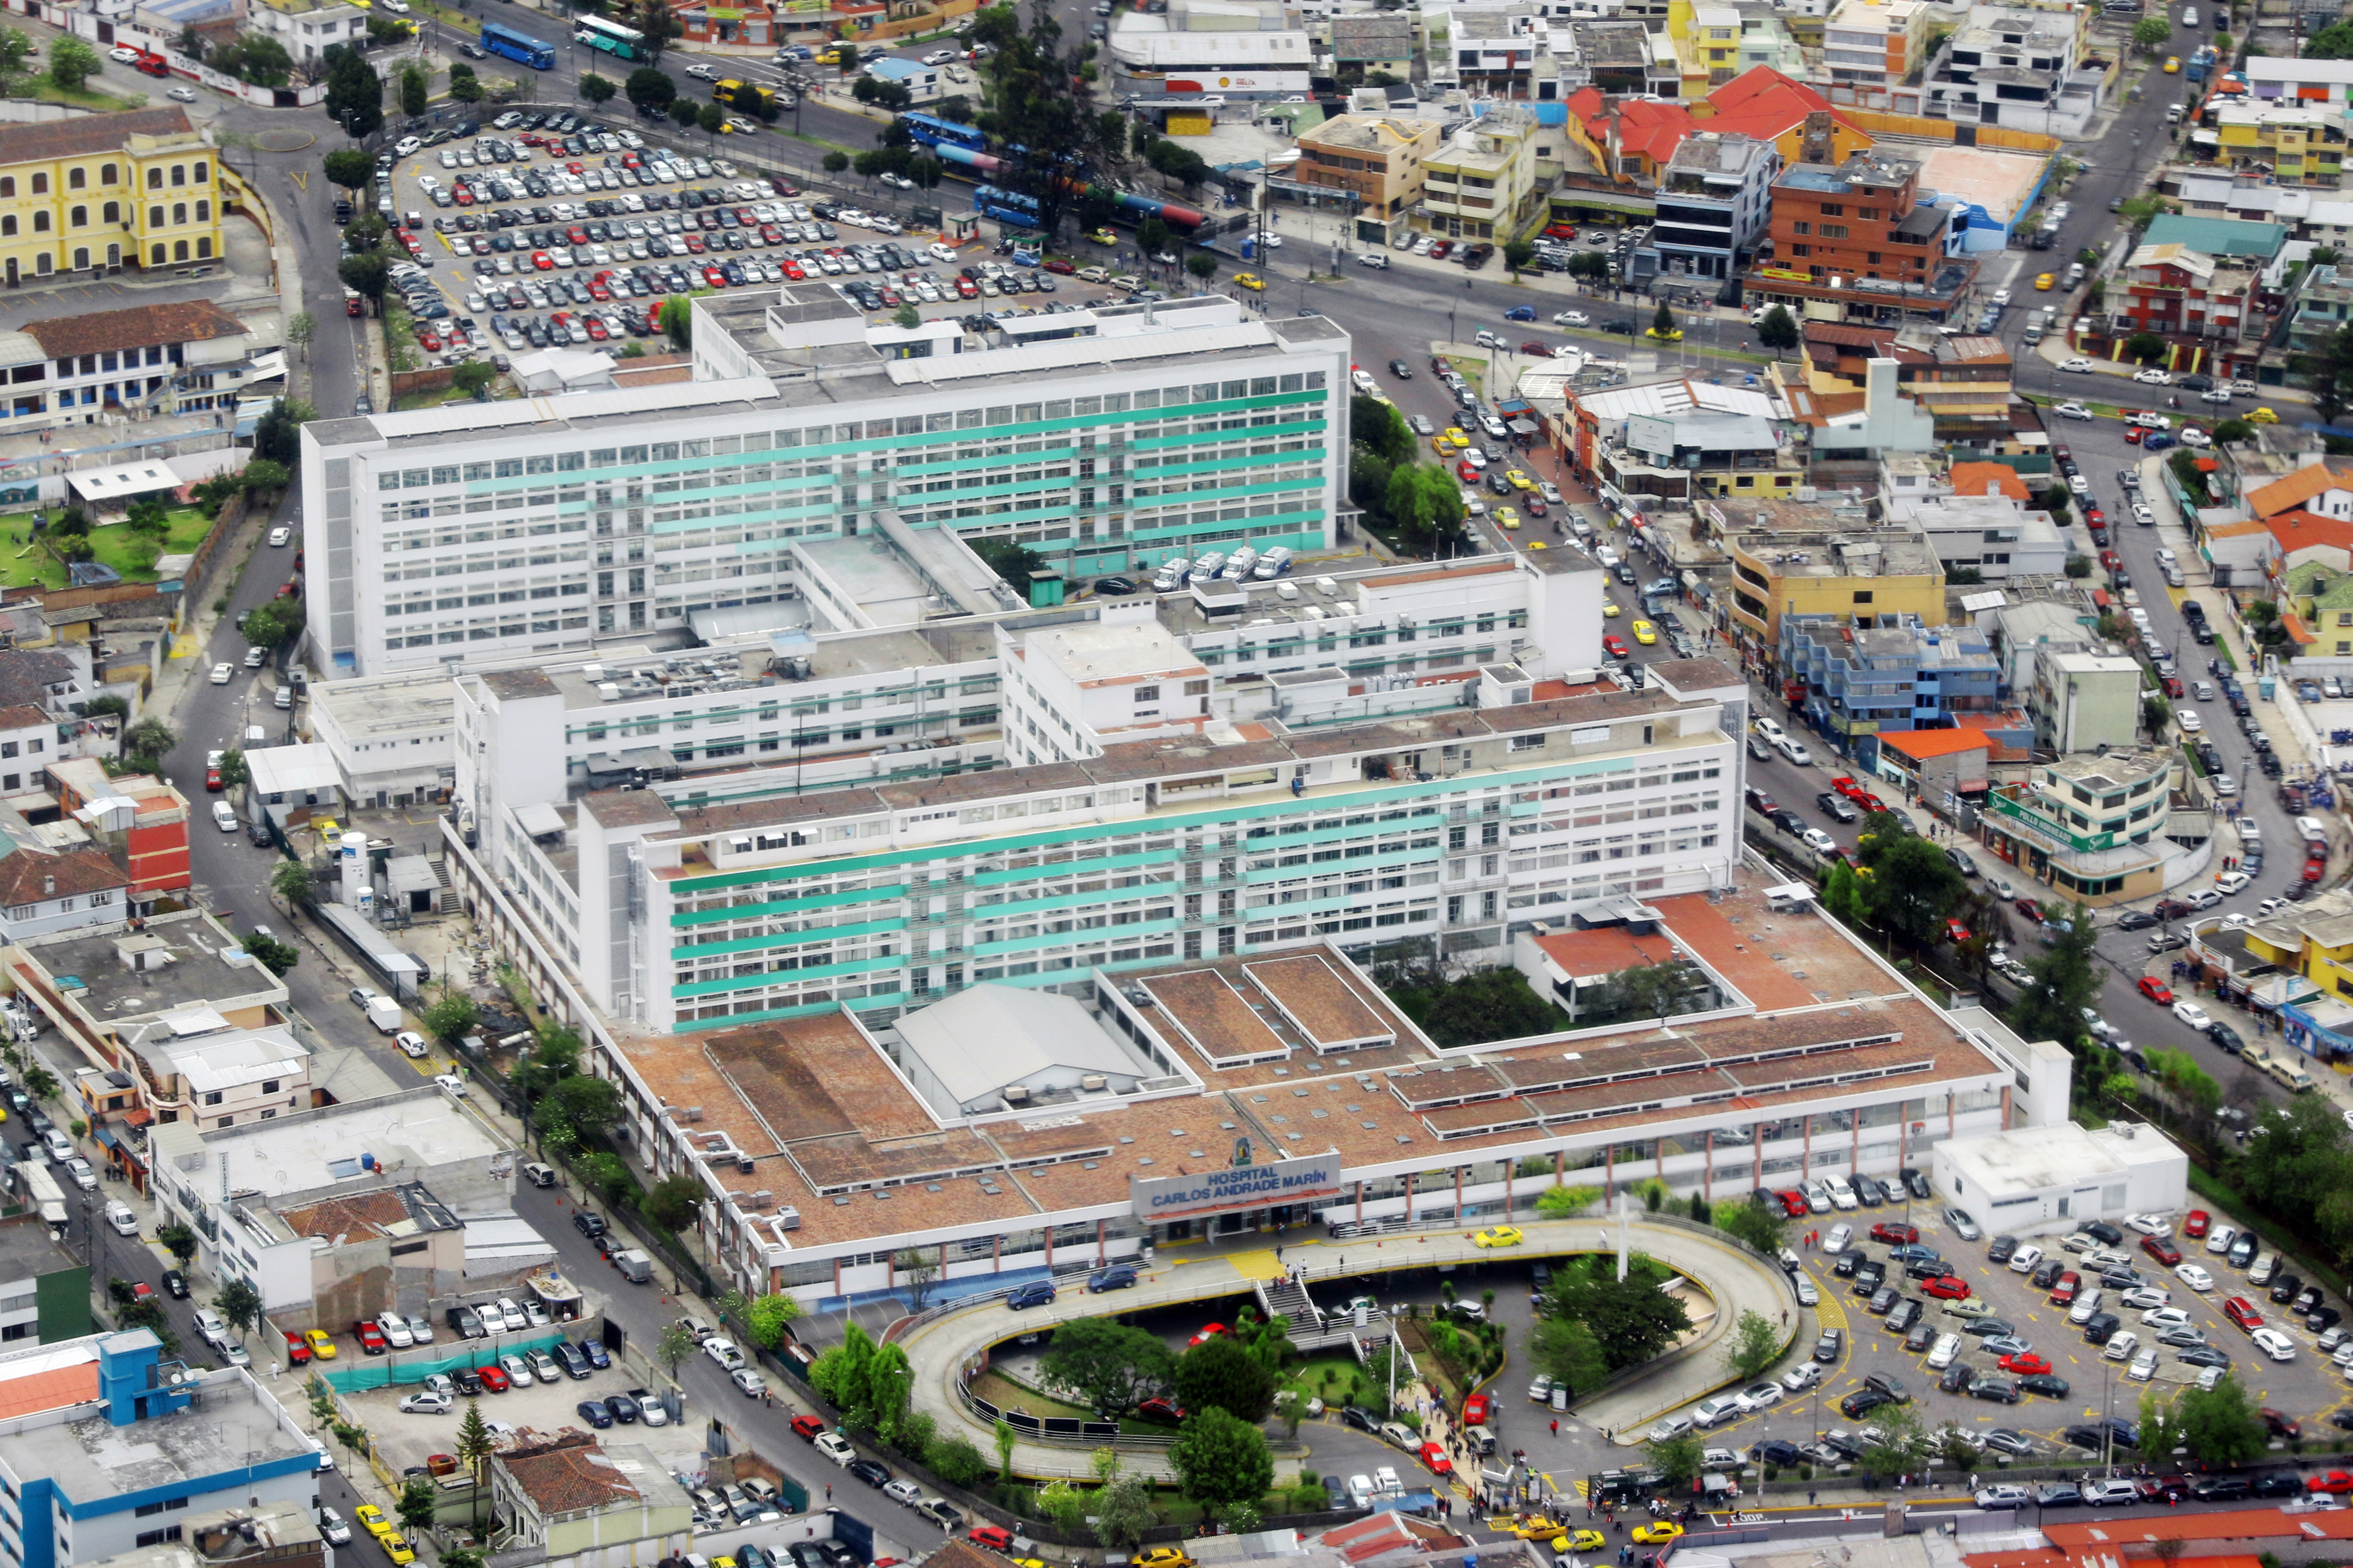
[79, 217]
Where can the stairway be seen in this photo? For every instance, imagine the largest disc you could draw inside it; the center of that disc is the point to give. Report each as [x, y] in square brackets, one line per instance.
[449, 903]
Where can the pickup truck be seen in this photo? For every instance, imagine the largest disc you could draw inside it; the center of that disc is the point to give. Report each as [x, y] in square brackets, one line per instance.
[650, 1406]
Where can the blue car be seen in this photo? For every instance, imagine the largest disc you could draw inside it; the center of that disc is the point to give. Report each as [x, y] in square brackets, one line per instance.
[595, 1414]
[598, 1357]
[1521, 313]
[1037, 1293]
[1118, 1277]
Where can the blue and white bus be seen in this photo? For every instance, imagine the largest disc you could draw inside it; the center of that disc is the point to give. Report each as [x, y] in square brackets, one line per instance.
[518, 47]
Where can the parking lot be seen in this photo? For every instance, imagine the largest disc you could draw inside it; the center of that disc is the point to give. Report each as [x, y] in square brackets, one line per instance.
[2308, 1389]
[407, 1438]
[536, 230]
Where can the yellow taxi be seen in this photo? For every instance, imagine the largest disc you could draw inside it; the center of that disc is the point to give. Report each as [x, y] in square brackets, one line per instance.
[1537, 545]
[1658, 1529]
[1438, 445]
[2044, 281]
[1519, 480]
[400, 1550]
[1645, 633]
[1580, 1541]
[1102, 236]
[1671, 335]
[1249, 280]
[1536, 1528]
[372, 1518]
[2262, 417]
[321, 1344]
[1497, 1235]
[1609, 607]
[2172, 65]
[1454, 437]
[1507, 517]
[1161, 1557]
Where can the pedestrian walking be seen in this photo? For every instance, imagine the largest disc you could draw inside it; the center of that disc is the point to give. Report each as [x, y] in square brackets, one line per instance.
[828, 1491]
[1809, 1497]
[1555, 1429]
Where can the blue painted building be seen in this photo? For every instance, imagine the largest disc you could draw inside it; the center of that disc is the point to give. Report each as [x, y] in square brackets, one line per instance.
[1903, 676]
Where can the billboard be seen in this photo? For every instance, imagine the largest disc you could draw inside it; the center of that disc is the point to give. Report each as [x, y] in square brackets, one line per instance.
[1306, 1179]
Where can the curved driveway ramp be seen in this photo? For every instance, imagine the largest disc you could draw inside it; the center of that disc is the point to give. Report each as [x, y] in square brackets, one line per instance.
[1735, 1278]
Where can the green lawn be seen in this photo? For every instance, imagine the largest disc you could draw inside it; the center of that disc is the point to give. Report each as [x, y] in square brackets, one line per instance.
[23, 565]
[41, 89]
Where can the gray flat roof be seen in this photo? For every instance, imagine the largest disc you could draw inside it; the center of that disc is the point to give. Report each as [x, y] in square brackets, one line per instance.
[28, 1253]
[232, 1427]
[197, 974]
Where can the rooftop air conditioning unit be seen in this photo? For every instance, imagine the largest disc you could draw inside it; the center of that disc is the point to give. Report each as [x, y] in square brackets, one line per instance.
[1094, 1082]
[1018, 1095]
[788, 1218]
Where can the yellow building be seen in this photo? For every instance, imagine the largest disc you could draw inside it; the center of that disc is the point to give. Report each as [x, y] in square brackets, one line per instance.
[140, 189]
[1862, 575]
[1476, 183]
[2302, 143]
[1380, 158]
[1706, 38]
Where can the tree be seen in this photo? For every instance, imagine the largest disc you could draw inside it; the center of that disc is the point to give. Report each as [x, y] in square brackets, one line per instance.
[1201, 265]
[2143, 348]
[2219, 1426]
[240, 1305]
[276, 956]
[649, 90]
[1041, 112]
[71, 63]
[354, 98]
[1901, 1443]
[674, 1202]
[2156, 714]
[1763, 1227]
[1567, 1350]
[1778, 331]
[1007, 1440]
[2178, 1074]
[1755, 1342]
[1648, 991]
[1678, 1458]
[275, 624]
[369, 274]
[1631, 1318]
[415, 89]
[1662, 325]
[658, 26]
[277, 434]
[1839, 891]
[473, 377]
[1380, 429]
[1221, 1374]
[1565, 1202]
[1012, 563]
[955, 1461]
[1517, 253]
[678, 321]
[2150, 33]
[467, 88]
[2233, 430]
[596, 89]
[588, 1101]
[474, 1447]
[1152, 236]
[349, 167]
[918, 1270]
[452, 1016]
[769, 1319]
[149, 742]
[1113, 1368]
[1911, 887]
[675, 1345]
[1492, 1004]
[417, 1504]
[834, 163]
[179, 1241]
[16, 60]
[1589, 265]
[1122, 1512]
[908, 318]
[2065, 980]
[1220, 1460]
[1424, 503]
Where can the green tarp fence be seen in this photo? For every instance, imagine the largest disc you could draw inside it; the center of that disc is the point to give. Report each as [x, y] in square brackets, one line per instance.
[379, 1372]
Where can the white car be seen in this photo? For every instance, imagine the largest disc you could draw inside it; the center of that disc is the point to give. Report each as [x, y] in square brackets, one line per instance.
[1822, 843]
[1716, 1411]
[1802, 1376]
[2146, 1298]
[426, 1404]
[2191, 1013]
[1668, 1427]
[702, 73]
[180, 94]
[752, 1384]
[2023, 1260]
[2080, 366]
[2194, 1276]
[223, 817]
[411, 1042]
[835, 1447]
[451, 1084]
[1948, 1347]
[1834, 1240]
[2144, 1365]
[395, 1330]
[122, 56]
[2144, 514]
[1768, 728]
[2152, 376]
[2232, 882]
[280, 536]
[725, 1353]
[2218, 1238]
[2073, 411]
[2189, 720]
[406, 145]
[1761, 1395]
[222, 673]
[2275, 1344]
[2001, 296]
[2193, 436]
[1571, 319]
[2163, 1318]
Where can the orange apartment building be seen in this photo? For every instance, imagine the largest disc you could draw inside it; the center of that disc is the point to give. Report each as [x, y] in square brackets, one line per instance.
[145, 831]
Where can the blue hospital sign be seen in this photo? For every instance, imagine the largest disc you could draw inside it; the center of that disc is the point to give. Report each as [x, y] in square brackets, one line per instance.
[1308, 1179]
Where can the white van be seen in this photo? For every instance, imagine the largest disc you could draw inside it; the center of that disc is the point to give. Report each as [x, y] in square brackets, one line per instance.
[2309, 830]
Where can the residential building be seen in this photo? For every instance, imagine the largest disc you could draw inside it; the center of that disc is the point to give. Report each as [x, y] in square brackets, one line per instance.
[2012, 66]
[309, 28]
[1479, 182]
[196, 1066]
[2253, 198]
[1499, 52]
[1715, 200]
[2225, 239]
[1630, 140]
[1871, 46]
[1707, 38]
[819, 443]
[1863, 577]
[1374, 41]
[1851, 433]
[1935, 765]
[1621, 55]
[2322, 307]
[273, 1535]
[2094, 826]
[95, 191]
[1893, 675]
[2297, 143]
[109, 1446]
[1963, 381]
[1683, 438]
[1990, 533]
[1377, 158]
[438, 1161]
[996, 1182]
[149, 359]
[2287, 77]
[1855, 235]
[142, 823]
[44, 1289]
[2083, 700]
[2202, 306]
[575, 1501]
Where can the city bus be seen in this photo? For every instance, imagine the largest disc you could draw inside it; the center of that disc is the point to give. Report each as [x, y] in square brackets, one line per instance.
[610, 36]
[518, 47]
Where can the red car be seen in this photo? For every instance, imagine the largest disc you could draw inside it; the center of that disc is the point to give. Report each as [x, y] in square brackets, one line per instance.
[2156, 990]
[2336, 1481]
[1060, 266]
[370, 1337]
[2172, 684]
[2064, 1288]
[1466, 473]
[1957, 933]
[2242, 1312]
[807, 1428]
[1613, 645]
[995, 1535]
[212, 779]
[1209, 1331]
[2025, 1363]
[2194, 1223]
[298, 1350]
[1895, 1233]
[494, 1379]
[429, 341]
[2280, 1424]
[2164, 1251]
[1434, 1456]
[1946, 1288]
[1476, 1409]
[1794, 1205]
[1159, 1409]
[1536, 350]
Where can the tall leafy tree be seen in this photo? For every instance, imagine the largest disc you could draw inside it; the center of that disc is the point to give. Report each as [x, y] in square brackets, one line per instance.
[2051, 1006]
[649, 90]
[1221, 1460]
[1379, 429]
[349, 167]
[1111, 1366]
[1054, 140]
[1778, 331]
[1220, 1374]
[1631, 1318]
[2219, 1426]
[1911, 887]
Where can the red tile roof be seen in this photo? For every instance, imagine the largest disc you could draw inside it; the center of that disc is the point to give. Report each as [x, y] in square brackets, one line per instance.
[1763, 103]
